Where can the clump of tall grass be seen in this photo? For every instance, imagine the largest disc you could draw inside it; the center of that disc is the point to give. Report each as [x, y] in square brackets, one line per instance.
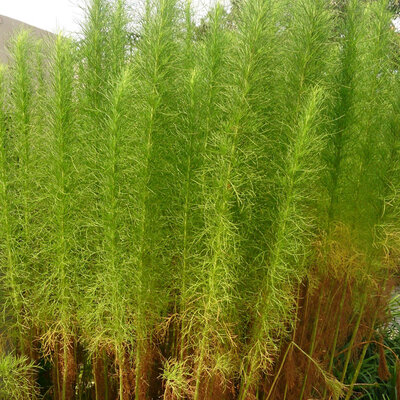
[170, 204]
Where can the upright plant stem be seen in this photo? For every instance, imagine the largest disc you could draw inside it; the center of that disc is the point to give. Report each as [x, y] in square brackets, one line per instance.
[204, 91]
[65, 369]
[105, 372]
[189, 170]
[294, 330]
[361, 360]
[353, 337]
[121, 366]
[337, 330]
[312, 346]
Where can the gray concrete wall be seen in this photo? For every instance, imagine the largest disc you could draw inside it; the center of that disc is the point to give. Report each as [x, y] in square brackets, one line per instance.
[10, 26]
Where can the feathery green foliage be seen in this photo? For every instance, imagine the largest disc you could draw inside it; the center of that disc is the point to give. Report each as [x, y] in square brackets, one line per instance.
[155, 69]
[15, 378]
[300, 139]
[169, 205]
[21, 183]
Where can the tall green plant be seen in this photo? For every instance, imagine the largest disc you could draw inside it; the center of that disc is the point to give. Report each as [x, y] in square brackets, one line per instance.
[189, 150]
[110, 323]
[22, 183]
[101, 57]
[367, 156]
[225, 178]
[299, 133]
[58, 307]
[10, 282]
[202, 86]
[275, 304]
[368, 143]
[155, 74]
[104, 157]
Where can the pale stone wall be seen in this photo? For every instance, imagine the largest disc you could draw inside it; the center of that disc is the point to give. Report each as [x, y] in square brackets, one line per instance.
[10, 26]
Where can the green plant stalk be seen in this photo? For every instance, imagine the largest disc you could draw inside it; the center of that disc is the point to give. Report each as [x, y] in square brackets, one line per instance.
[285, 392]
[279, 372]
[65, 369]
[115, 126]
[369, 185]
[346, 89]
[353, 25]
[99, 65]
[121, 364]
[144, 203]
[361, 360]
[353, 337]
[61, 123]
[211, 68]
[305, 58]
[312, 346]
[103, 100]
[337, 330]
[369, 138]
[105, 372]
[188, 180]
[295, 330]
